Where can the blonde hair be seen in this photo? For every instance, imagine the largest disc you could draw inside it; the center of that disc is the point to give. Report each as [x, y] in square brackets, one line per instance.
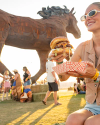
[6, 72]
[97, 4]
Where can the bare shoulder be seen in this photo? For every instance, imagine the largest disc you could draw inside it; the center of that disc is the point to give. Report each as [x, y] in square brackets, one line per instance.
[80, 46]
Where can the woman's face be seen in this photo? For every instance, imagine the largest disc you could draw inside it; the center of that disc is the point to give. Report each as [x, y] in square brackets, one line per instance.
[93, 23]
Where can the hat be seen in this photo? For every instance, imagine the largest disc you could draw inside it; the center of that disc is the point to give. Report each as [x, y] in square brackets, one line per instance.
[15, 70]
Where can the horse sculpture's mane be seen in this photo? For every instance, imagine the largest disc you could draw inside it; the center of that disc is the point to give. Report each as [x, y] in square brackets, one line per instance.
[54, 10]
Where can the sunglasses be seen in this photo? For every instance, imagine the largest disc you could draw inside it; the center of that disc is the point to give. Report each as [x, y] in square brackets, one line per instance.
[90, 14]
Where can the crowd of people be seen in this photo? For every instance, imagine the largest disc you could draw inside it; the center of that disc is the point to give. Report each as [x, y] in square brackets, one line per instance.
[18, 88]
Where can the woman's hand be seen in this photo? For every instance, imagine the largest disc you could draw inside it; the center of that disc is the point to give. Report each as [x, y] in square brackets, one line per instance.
[56, 81]
[89, 71]
[59, 58]
[14, 87]
[26, 79]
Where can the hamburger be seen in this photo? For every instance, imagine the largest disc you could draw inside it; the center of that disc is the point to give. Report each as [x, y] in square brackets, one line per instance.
[61, 45]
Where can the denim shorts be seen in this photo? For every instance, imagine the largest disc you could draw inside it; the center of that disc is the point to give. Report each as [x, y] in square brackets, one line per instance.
[27, 90]
[94, 108]
[27, 82]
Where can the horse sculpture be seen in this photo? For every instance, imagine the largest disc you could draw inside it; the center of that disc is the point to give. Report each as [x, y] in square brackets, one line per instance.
[28, 33]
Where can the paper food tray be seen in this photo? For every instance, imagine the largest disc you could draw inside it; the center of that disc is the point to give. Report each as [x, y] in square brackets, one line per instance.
[69, 66]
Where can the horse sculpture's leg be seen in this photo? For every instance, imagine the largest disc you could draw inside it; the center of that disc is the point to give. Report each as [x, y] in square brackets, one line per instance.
[2, 66]
[4, 29]
[43, 58]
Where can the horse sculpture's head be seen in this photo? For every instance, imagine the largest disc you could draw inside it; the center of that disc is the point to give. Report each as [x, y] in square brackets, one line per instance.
[67, 17]
[72, 25]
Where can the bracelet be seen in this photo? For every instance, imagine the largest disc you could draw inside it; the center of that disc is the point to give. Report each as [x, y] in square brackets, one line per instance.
[98, 79]
[96, 75]
[59, 62]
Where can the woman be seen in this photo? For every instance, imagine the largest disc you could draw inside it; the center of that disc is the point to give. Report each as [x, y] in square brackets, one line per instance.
[77, 89]
[88, 51]
[27, 81]
[17, 89]
[6, 79]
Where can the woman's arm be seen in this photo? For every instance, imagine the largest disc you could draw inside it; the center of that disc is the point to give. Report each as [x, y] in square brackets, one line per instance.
[2, 76]
[89, 71]
[6, 77]
[16, 76]
[29, 76]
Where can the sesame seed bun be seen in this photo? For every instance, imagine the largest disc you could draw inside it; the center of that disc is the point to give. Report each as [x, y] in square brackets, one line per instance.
[57, 40]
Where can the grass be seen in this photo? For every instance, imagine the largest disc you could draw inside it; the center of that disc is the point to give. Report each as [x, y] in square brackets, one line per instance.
[35, 113]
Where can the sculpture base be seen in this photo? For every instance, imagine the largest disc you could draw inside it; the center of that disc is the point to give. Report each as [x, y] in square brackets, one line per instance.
[39, 88]
[39, 93]
[40, 96]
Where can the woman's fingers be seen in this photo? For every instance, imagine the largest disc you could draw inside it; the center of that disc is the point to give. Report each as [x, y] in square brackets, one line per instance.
[74, 74]
[89, 71]
[81, 73]
[60, 59]
[59, 56]
[89, 64]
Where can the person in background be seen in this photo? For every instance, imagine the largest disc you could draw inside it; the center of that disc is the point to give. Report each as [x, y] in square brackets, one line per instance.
[6, 79]
[78, 80]
[16, 86]
[83, 84]
[27, 82]
[1, 85]
[12, 80]
[89, 52]
[77, 89]
[52, 82]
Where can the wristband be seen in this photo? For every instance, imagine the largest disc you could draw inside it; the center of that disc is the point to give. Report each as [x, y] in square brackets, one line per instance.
[98, 79]
[96, 75]
[59, 62]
